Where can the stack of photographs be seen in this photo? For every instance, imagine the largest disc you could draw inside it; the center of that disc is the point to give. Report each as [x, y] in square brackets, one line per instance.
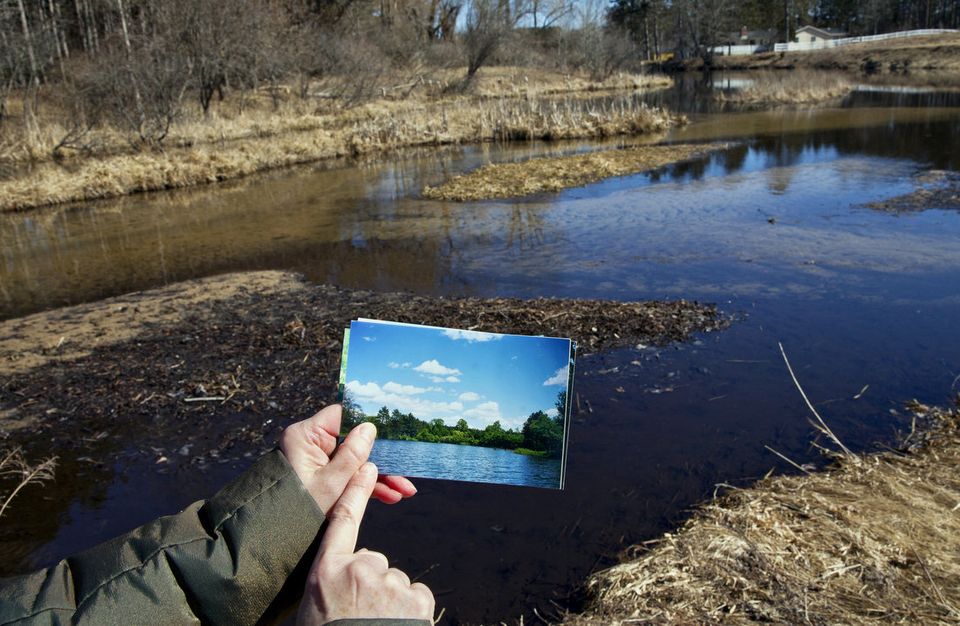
[460, 404]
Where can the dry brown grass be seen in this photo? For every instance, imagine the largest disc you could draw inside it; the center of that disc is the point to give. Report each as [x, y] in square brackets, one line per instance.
[14, 466]
[800, 87]
[511, 180]
[231, 143]
[521, 82]
[875, 539]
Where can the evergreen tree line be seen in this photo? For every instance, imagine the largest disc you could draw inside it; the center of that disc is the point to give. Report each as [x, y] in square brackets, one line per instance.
[540, 434]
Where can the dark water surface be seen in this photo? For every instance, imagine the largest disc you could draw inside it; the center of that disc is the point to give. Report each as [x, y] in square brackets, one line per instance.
[474, 463]
[774, 229]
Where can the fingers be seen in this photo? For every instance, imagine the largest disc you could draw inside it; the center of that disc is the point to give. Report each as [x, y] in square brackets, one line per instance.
[310, 442]
[393, 489]
[385, 494]
[399, 484]
[377, 558]
[329, 481]
[343, 521]
[425, 598]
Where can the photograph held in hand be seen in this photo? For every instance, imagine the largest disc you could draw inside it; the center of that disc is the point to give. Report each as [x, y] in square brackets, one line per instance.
[460, 404]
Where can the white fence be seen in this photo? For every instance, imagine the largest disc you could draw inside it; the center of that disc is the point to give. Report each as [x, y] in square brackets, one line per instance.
[846, 41]
[738, 50]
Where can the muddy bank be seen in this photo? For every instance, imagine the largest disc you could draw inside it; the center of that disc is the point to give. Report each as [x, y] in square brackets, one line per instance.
[936, 189]
[510, 180]
[213, 364]
[935, 52]
[874, 539]
[227, 145]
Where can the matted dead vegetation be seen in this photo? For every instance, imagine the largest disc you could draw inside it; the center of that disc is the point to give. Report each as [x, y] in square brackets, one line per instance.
[522, 82]
[511, 180]
[800, 87]
[936, 189]
[874, 539]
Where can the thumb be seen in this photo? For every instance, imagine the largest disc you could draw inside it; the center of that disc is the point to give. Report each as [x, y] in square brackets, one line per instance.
[343, 521]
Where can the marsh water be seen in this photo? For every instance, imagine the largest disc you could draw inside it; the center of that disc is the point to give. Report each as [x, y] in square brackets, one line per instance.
[775, 229]
[474, 463]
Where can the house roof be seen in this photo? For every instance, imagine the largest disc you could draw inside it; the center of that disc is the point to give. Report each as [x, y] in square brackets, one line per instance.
[829, 33]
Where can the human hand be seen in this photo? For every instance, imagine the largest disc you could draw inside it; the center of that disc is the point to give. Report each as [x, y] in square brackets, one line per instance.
[344, 584]
[309, 447]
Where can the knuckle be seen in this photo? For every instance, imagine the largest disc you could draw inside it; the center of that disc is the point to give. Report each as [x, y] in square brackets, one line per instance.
[360, 570]
[341, 514]
[400, 576]
[349, 452]
[424, 596]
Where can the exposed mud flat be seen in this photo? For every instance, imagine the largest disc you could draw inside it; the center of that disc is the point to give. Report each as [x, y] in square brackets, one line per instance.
[874, 539]
[936, 189]
[511, 180]
[224, 363]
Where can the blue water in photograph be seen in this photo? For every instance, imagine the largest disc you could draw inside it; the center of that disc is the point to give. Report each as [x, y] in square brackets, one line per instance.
[473, 463]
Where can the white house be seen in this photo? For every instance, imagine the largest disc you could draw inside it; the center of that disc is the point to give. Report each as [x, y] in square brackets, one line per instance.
[812, 34]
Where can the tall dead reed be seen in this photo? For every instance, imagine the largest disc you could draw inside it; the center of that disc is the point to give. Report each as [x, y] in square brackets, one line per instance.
[13, 465]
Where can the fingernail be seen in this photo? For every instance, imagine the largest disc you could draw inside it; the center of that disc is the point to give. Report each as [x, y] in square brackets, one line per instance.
[367, 430]
[368, 469]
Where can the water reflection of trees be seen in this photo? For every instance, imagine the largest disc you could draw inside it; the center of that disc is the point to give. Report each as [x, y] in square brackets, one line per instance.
[927, 143]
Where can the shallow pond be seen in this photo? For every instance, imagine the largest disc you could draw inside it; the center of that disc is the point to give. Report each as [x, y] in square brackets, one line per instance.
[775, 230]
[474, 463]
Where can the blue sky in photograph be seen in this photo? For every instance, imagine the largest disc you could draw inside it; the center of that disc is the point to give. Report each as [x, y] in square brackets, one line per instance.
[452, 374]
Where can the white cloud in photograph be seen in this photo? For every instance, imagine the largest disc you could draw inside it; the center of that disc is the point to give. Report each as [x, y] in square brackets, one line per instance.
[365, 338]
[469, 396]
[434, 367]
[372, 394]
[404, 390]
[559, 378]
[487, 410]
[470, 335]
[552, 412]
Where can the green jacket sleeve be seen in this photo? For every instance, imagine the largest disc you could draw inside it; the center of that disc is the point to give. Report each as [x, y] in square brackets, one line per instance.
[222, 561]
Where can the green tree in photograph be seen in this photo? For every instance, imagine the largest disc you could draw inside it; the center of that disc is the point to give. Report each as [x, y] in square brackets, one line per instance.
[561, 406]
[543, 434]
[352, 413]
[382, 419]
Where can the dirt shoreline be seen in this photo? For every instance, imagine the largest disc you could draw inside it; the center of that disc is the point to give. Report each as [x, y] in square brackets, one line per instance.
[503, 106]
[256, 341]
[873, 539]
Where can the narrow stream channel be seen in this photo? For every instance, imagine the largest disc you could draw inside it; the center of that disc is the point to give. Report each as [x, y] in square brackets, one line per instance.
[775, 230]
